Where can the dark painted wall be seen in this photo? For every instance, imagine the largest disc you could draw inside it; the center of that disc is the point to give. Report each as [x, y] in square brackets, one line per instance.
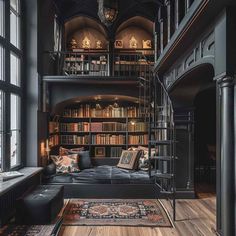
[46, 14]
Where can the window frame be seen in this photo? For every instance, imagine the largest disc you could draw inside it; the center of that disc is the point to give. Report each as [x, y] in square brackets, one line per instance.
[7, 88]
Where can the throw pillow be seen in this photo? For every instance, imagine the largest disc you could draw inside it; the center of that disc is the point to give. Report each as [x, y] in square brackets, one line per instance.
[66, 164]
[144, 160]
[145, 151]
[65, 151]
[128, 159]
[84, 160]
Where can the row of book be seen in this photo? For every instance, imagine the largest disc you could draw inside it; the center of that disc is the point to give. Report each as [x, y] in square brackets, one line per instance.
[138, 139]
[107, 126]
[85, 110]
[108, 139]
[102, 126]
[53, 127]
[115, 151]
[74, 139]
[137, 127]
[74, 127]
[68, 66]
[82, 111]
[54, 140]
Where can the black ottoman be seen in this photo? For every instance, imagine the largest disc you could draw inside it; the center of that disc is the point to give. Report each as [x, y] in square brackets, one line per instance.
[40, 206]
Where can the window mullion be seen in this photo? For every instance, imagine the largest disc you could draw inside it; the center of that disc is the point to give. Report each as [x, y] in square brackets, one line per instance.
[7, 161]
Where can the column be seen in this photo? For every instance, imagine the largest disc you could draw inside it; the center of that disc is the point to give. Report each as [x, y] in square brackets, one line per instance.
[110, 60]
[188, 4]
[156, 40]
[227, 154]
[163, 28]
[170, 18]
[176, 14]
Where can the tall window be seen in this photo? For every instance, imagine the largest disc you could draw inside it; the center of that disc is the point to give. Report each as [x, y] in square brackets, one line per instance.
[2, 14]
[10, 85]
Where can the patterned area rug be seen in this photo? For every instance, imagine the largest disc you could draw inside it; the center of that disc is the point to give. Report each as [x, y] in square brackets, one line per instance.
[27, 230]
[32, 230]
[128, 212]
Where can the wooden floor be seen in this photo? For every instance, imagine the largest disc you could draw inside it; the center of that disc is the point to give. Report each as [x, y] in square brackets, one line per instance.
[194, 217]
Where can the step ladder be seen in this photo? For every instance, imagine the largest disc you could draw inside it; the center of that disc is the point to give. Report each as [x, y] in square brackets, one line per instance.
[162, 142]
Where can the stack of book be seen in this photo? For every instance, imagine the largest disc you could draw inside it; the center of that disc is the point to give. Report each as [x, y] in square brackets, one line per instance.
[4, 176]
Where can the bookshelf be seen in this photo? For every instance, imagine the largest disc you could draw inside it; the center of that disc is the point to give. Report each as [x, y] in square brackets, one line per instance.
[104, 129]
[86, 62]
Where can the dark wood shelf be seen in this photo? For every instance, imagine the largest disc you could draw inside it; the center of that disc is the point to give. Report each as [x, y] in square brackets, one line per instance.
[73, 132]
[108, 145]
[64, 144]
[108, 132]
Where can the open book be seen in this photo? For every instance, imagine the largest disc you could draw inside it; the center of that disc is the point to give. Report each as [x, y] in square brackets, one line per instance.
[9, 175]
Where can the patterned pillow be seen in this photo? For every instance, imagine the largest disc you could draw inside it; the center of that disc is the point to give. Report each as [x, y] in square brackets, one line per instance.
[65, 151]
[66, 164]
[128, 159]
[144, 160]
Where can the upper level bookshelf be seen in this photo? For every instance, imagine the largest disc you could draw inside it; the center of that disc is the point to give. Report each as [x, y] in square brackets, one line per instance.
[99, 62]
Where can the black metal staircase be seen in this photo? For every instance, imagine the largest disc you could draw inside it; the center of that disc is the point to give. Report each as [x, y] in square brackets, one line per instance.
[162, 154]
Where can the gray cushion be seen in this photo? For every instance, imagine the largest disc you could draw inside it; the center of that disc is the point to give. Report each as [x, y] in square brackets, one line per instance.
[84, 160]
[105, 175]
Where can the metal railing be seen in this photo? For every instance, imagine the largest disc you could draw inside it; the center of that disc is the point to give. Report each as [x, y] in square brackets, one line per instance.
[101, 63]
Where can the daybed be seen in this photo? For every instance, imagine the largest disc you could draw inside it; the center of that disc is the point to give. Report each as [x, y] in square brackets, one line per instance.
[102, 182]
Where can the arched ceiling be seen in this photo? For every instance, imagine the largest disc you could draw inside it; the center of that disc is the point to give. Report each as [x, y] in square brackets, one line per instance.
[184, 91]
[137, 21]
[127, 9]
[96, 98]
[80, 22]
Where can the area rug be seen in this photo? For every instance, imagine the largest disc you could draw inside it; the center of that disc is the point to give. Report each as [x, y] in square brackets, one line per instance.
[32, 230]
[116, 212]
[27, 230]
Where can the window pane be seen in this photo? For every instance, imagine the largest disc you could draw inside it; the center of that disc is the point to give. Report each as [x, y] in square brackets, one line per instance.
[2, 21]
[15, 5]
[1, 128]
[1, 63]
[15, 130]
[14, 29]
[15, 69]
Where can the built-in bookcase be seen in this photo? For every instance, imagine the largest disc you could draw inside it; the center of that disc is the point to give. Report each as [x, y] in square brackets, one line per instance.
[104, 129]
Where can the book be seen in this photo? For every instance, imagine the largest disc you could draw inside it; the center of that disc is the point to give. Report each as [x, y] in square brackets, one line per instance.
[4, 176]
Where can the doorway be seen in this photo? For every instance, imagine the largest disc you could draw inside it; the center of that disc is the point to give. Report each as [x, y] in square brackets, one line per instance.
[205, 143]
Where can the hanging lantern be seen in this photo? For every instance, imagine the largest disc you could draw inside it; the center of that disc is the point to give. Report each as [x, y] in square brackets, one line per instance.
[107, 11]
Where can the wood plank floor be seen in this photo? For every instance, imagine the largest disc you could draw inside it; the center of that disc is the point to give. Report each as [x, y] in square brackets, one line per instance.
[194, 217]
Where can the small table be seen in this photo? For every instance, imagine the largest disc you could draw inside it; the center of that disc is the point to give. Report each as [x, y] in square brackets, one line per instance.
[12, 189]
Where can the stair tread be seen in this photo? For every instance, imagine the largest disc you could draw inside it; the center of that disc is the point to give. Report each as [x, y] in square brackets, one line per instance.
[162, 175]
[160, 127]
[164, 142]
[163, 158]
[167, 192]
